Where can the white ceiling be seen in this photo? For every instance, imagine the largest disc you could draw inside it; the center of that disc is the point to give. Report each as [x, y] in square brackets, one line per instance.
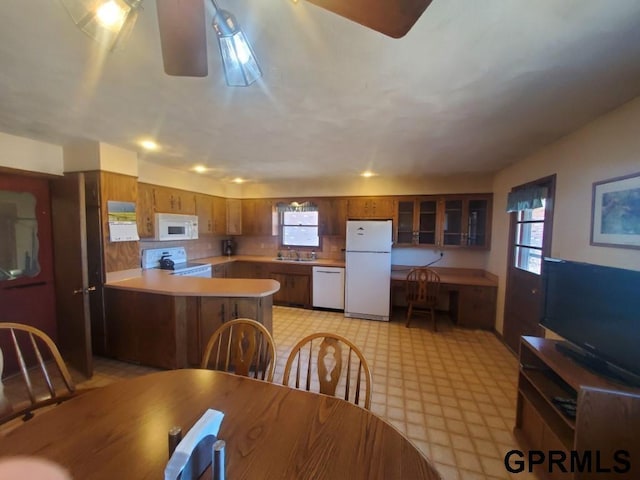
[472, 87]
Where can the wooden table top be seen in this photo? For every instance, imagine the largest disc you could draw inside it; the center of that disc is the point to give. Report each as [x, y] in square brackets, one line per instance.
[271, 432]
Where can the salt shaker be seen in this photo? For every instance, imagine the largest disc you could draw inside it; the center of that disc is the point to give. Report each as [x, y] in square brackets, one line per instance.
[218, 466]
[175, 435]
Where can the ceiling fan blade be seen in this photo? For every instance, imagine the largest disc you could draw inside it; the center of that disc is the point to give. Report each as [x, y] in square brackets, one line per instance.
[391, 17]
[183, 37]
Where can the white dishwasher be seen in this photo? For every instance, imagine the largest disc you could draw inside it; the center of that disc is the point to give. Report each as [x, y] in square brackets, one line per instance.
[328, 287]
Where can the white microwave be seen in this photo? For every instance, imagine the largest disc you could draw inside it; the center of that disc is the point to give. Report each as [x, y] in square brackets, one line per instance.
[173, 226]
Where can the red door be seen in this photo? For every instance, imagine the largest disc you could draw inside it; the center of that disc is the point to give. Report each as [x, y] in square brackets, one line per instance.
[26, 263]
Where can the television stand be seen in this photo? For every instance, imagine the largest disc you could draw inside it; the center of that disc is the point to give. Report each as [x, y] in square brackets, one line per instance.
[563, 406]
[597, 365]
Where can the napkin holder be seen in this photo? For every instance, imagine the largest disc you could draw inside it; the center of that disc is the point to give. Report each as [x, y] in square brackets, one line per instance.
[199, 460]
[193, 454]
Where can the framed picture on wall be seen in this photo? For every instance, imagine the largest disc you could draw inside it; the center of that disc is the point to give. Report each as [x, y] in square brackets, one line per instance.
[615, 212]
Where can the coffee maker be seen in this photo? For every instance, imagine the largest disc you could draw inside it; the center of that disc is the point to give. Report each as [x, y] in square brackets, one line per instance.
[228, 247]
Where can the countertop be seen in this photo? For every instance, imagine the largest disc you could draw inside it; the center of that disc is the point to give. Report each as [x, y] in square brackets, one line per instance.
[265, 259]
[451, 275]
[162, 282]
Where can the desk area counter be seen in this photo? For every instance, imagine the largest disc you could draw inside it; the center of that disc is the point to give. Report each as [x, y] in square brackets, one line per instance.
[472, 293]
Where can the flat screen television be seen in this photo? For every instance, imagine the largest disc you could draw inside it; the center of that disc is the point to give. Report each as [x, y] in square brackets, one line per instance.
[597, 310]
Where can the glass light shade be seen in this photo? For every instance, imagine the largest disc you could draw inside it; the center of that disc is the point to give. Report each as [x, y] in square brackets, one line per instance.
[241, 68]
[106, 21]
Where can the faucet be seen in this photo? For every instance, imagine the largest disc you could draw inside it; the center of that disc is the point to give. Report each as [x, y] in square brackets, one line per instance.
[297, 254]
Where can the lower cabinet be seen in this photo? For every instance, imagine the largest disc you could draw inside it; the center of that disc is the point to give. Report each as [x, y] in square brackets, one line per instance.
[294, 279]
[475, 306]
[209, 313]
[295, 285]
[146, 328]
[220, 271]
[168, 331]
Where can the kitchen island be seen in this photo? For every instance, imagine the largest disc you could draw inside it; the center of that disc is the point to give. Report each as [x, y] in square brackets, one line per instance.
[160, 320]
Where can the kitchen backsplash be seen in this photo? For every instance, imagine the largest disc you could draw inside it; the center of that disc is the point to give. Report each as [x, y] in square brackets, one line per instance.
[332, 247]
[203, 247]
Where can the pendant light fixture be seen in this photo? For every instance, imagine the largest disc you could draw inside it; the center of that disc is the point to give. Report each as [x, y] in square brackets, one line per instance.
[241, 68]
[106, 21]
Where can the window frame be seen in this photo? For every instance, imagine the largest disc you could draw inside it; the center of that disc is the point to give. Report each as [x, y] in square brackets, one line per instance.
[282, 225]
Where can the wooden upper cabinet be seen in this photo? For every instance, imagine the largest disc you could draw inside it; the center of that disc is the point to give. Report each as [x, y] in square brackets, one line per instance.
[120, 188]
[466, 221]
[332, 216]
[417, 221]
[219, 215]
[145, 211]
[234, 216]
[370, 207]
[257, 217]
[446, 221]
[169, 200]
[204, 211]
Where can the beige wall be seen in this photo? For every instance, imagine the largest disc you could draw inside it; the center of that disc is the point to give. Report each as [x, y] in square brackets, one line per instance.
[30, 155]
[436, 184]
[169, 177]
[607, 147]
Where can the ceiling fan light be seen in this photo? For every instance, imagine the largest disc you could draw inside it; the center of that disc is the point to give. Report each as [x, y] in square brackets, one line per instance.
[241, 68]
[106, 21]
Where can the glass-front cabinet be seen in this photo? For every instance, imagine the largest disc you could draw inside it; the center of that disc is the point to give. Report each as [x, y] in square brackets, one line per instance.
[445, 221]
[417, 222]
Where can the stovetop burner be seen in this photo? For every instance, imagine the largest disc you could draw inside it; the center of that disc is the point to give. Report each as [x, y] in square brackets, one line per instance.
[177, 267]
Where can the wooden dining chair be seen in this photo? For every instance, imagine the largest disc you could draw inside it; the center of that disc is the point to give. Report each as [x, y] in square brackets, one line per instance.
[423, 288]
[241, 346]
[42, 368]
[327, 362]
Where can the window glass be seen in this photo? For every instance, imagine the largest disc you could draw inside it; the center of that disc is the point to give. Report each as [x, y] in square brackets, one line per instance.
[528, 239]
[300, 229]
[18, 235]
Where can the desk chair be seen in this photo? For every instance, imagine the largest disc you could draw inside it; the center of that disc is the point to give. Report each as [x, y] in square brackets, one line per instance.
[326, 361]
[39, 360]
[423, 287]
[242, 346]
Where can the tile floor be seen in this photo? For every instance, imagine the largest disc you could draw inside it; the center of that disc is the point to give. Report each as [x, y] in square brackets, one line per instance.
[452, 393]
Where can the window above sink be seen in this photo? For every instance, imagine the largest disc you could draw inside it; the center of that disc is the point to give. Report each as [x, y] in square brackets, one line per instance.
[298, 224]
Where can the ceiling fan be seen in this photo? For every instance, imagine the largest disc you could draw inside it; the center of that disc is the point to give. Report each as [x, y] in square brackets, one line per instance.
[182, 29]
[183, 32]
[391, 17]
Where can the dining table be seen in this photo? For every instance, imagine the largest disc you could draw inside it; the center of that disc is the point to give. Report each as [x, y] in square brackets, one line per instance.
[271, 431]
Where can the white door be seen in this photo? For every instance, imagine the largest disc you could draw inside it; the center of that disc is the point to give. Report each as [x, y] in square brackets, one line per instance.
[368, 279]
[369, 236]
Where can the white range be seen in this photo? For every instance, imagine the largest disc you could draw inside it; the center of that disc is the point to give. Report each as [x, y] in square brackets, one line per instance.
[175, 259]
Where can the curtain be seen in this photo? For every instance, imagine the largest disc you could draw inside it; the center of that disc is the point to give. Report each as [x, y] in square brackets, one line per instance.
[297, 207]
[526, 198]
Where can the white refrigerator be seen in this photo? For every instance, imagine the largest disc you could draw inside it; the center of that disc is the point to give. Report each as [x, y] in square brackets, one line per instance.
[368, 269]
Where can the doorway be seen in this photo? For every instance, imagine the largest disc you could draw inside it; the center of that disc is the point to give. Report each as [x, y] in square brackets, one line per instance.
[530, 233]
[26, 258]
